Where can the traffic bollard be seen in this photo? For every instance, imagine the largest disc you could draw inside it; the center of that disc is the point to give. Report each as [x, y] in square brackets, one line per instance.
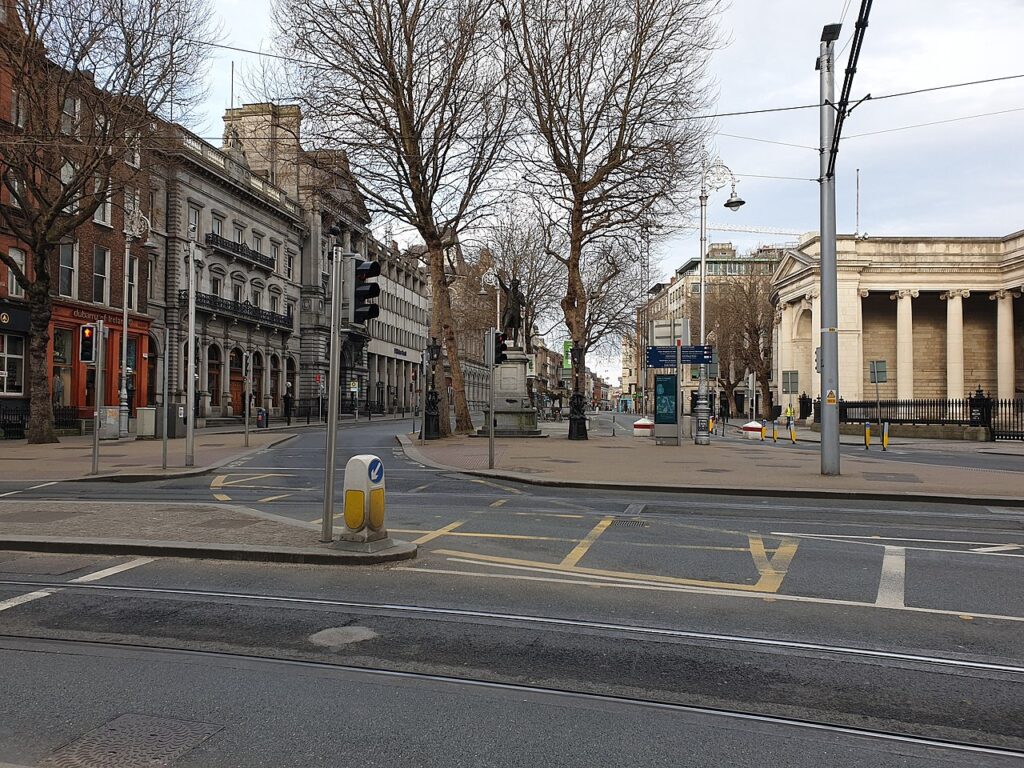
[867, 435]
[885, 435]
[764, 429]
[363, 514]
[775, 431]
[792, 430]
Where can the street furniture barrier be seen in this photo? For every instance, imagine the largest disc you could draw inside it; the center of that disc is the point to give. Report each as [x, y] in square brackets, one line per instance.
[867, 435]
[364, 508]
[643, 428]
[885, 435]
[775, 430]
[752, 430]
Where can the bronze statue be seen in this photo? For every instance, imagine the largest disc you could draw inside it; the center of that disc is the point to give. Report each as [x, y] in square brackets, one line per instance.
[512, 315]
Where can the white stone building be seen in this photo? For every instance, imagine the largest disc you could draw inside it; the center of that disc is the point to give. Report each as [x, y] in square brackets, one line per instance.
[938, 311]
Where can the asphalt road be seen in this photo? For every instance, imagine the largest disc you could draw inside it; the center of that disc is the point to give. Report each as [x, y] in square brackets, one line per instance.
[834, 624]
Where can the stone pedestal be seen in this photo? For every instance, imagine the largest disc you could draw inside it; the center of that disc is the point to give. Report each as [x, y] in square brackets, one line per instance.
[515, 416]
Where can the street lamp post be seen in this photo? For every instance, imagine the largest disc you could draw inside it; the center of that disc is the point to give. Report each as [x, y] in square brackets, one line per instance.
[490, 277]
[432, 412]
[714, 176]
[136, 226]
[192, 260]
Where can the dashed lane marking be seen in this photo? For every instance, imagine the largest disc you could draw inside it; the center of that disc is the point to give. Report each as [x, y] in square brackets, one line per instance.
[89, 577]
[44, 485]
[221, 497]
[26, 598]
[550, 514]
[419, 488]
[269, 499]
[997, 548]
[892, 582]
[499, 503]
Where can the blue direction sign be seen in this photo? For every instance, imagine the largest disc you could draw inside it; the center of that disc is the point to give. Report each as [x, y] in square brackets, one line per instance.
[376, 471]
[665, 357]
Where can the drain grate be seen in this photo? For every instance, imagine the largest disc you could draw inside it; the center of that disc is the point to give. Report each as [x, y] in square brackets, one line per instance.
[621, 523]
[132, 741]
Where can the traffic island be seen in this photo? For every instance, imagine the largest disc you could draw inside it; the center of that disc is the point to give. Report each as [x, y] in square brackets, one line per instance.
[194, 531]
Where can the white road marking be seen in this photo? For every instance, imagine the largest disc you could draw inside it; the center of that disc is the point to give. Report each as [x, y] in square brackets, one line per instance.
[634, 509]
[724, 592]
[996, 548]
[892, 582]
[96, 576]
[113, 570]
[26, 598]
[10, 493]
[44, 485]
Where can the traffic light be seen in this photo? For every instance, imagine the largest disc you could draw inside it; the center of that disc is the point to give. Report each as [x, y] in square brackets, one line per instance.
[87, 344]
[500, 348]
[363, 292]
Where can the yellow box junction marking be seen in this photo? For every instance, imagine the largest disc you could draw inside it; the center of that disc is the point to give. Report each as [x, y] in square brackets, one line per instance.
[581, 549]
[439, 532]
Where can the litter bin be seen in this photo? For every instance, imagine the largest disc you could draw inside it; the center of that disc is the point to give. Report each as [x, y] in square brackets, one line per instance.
[261, 418]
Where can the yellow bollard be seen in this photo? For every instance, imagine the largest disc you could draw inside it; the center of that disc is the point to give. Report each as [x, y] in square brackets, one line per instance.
[364, 499]
[867, 435]
[885, 435]
[792, 431]
[764, 429]
[775, 431]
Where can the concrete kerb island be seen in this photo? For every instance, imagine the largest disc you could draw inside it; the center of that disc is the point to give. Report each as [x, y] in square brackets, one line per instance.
[412, 450]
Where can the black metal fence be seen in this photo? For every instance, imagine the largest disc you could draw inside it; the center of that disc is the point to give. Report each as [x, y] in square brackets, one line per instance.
[14, 420]
[1004, 418]
[310, 409]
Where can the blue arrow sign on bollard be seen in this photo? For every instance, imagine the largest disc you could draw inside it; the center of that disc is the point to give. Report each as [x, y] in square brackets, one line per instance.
[376, 471]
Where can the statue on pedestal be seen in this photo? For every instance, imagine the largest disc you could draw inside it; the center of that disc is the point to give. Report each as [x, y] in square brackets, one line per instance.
[512, 315]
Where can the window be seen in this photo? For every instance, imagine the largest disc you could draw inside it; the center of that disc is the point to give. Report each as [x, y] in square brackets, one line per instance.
[18, 257]
[132, 155]
[215, 286]
[102, 213]
[257, 298]
[257, 243]
[67, 178]
[275, 254]
[290, 265]
[66, 284]
[289, 309]
[17, 108]
[193, 222]
[236, 293]
[218, 225]
[133, 282]
[16, 188]
[100, 273]
[239, 234]
[69, 116]
[275, 304]
[150, 282]
[12, 363]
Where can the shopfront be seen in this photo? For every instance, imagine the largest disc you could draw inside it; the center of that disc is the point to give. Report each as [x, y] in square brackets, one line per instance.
[14, 327]
[73, 383]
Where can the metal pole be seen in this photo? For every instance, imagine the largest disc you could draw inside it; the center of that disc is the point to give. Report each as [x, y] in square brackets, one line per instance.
[248, 393]
[333, 385]
[97, 398]
[122, 416]
[190, 385]
[700, 433]
[679, 391]
[829, 303]
[164, 408]
[489, 354]
[423, 397]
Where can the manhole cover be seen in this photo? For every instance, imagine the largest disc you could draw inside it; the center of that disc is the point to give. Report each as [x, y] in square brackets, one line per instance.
[619, 523]
[132, 741]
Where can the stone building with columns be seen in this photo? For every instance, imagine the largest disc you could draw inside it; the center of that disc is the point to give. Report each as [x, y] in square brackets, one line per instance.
[247, 233]
[939, 311]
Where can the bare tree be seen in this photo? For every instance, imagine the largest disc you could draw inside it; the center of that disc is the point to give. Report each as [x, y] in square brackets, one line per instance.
[607, 88]
[87, 77]
[723, 334]
[413, 91]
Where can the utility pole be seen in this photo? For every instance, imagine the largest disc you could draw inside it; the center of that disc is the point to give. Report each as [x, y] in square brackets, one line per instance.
[829, 336]
[333, 385]
[190, 385]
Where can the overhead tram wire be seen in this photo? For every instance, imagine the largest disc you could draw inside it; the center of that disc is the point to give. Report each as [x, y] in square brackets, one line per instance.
[843, 108]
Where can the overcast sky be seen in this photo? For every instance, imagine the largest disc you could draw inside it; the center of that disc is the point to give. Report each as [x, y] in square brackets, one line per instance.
[956, 178]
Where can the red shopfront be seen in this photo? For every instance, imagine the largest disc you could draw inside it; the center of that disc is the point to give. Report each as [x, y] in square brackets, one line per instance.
[73, 383]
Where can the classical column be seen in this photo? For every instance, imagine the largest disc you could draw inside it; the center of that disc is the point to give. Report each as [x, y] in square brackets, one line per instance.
[1005, 385]
[955, 342]
[815, 300]
[904, 343]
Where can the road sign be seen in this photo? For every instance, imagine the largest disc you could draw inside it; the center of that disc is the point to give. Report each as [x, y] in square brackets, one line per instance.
[318, 378]
[830, 398]
[696, 354]
[375, 471]
[661, 357]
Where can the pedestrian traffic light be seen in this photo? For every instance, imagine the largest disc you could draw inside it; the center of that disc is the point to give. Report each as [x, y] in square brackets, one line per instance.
[87, 344]
[500, 348]
[363, 292]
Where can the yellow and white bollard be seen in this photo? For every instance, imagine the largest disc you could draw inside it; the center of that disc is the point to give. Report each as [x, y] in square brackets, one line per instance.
[775, 430]
[867, 435]
[885, 436]
[792, 430]
[363, 514]
[764, 429]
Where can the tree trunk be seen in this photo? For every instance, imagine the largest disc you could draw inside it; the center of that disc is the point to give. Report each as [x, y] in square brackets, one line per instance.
[40, 424]
[442, 320]
[766, 394]
[574, 304]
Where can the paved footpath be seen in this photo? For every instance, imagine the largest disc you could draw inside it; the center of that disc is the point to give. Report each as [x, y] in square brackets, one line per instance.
[728, 465]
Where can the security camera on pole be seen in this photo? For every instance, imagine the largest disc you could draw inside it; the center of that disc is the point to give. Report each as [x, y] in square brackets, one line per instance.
[714, 176]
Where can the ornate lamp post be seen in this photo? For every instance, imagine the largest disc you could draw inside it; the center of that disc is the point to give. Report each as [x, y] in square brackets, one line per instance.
[490, 277]
[432, 414]
[136, 226]
[577, 400]
[714, 176]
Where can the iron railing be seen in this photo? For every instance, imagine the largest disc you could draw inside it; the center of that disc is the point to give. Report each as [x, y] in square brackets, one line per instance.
[918, 411]
[1006, 419]
[14, 420]
[240, 250]
[243, 310]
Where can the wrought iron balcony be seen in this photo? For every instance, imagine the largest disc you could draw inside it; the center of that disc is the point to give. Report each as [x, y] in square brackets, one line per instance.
[240, 251]
[216, 305]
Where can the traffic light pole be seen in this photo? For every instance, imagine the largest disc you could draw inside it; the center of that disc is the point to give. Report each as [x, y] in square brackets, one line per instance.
[333, 385]
[489, 354]
[190, 385]
[97, 397]
[163, 405]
